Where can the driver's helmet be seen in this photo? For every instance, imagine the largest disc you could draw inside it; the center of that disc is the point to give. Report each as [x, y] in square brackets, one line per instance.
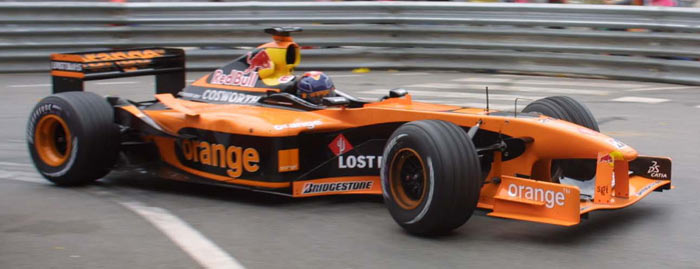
[314, 85]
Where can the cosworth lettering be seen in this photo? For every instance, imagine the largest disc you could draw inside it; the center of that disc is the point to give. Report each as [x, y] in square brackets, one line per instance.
[234, 78]
[550, 198]
[236, 159]
[231, 97]
[336, 187]
[362, 161]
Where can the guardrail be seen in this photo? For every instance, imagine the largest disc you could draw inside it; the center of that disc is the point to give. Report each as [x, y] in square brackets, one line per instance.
[627, 42]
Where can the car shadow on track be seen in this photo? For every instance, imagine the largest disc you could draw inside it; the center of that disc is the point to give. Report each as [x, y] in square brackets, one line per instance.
[600, 226]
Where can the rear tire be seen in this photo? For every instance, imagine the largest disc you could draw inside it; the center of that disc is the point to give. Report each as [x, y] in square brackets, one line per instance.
[568, 109]
[430, 177]
[72, 138]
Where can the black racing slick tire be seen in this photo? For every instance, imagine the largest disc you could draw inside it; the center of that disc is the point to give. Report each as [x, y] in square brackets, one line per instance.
[72, 138]
[430, 177]
[568, 109]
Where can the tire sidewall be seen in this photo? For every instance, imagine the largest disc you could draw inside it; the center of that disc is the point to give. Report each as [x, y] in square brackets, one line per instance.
[54, 106]
[406, 139]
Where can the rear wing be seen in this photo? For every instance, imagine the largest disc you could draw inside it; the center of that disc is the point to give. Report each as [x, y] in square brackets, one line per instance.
[69, 70]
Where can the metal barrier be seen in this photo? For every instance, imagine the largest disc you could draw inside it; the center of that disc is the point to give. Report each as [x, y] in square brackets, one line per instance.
[639, 43]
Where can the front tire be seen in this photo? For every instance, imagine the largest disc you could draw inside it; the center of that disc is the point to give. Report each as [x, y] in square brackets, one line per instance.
[568, 109]
[72, 138]
[430, 177]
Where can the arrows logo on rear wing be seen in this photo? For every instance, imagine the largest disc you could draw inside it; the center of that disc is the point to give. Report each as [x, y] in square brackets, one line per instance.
[69, 70]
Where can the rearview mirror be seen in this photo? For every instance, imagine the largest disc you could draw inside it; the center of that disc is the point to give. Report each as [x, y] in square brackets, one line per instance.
[398, 92]
[335, 101]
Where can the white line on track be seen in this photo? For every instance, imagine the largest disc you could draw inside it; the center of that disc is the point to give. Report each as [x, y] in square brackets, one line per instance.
[502, 107]
[29, 85]
[346, 76]
[446, 94]
[410, 74]
[205, 252]
[662, 89]
[697, 106]
[634, 99]
[22, 176]
[15, 164]
[194, 243]
[508, 88]
[116, 83]
[549, 81]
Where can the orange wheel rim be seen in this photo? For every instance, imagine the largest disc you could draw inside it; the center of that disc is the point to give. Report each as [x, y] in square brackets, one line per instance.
[52, 140]
[408, 178]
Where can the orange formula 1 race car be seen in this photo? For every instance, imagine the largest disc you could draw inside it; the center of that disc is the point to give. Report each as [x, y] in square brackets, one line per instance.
[243, 125]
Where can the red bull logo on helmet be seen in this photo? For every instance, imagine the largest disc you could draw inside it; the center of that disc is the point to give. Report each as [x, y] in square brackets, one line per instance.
[260, 60]
[316, 75]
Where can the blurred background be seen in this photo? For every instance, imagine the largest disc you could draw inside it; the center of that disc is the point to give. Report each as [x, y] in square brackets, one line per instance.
[634, 63]
[679, 3]
[650, 40]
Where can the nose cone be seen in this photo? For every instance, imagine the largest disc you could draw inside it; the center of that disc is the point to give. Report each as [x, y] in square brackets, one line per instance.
[626, 152]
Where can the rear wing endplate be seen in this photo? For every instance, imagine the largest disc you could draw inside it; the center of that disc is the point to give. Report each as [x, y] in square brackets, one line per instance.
[70, 70]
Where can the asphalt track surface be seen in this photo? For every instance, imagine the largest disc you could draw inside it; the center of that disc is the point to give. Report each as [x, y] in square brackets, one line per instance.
[132, 221]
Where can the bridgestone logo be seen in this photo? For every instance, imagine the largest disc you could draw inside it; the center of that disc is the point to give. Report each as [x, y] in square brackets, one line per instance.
[38, 112]
[336, 187]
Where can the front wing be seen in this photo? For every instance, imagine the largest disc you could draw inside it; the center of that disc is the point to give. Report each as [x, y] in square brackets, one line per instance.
[618, 184]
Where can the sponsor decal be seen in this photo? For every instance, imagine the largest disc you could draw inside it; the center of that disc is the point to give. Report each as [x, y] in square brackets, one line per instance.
[285, 79]
[306, 124]
[190, 95]
[258, 61]
[616, 143]
[336, 187]
[229, 96]
[647, 187]
[655, 171]
[40, 111]
[587, 131]
[610, 158]
[340, 145]
[67, 66]
[549, 197]
[122, 55]
[545, 120]
[603, 190]
[361, 161]
[234, 78]
[315, 94]
[288, 160]
[126, 65]
[234, 159]
[287, 168]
